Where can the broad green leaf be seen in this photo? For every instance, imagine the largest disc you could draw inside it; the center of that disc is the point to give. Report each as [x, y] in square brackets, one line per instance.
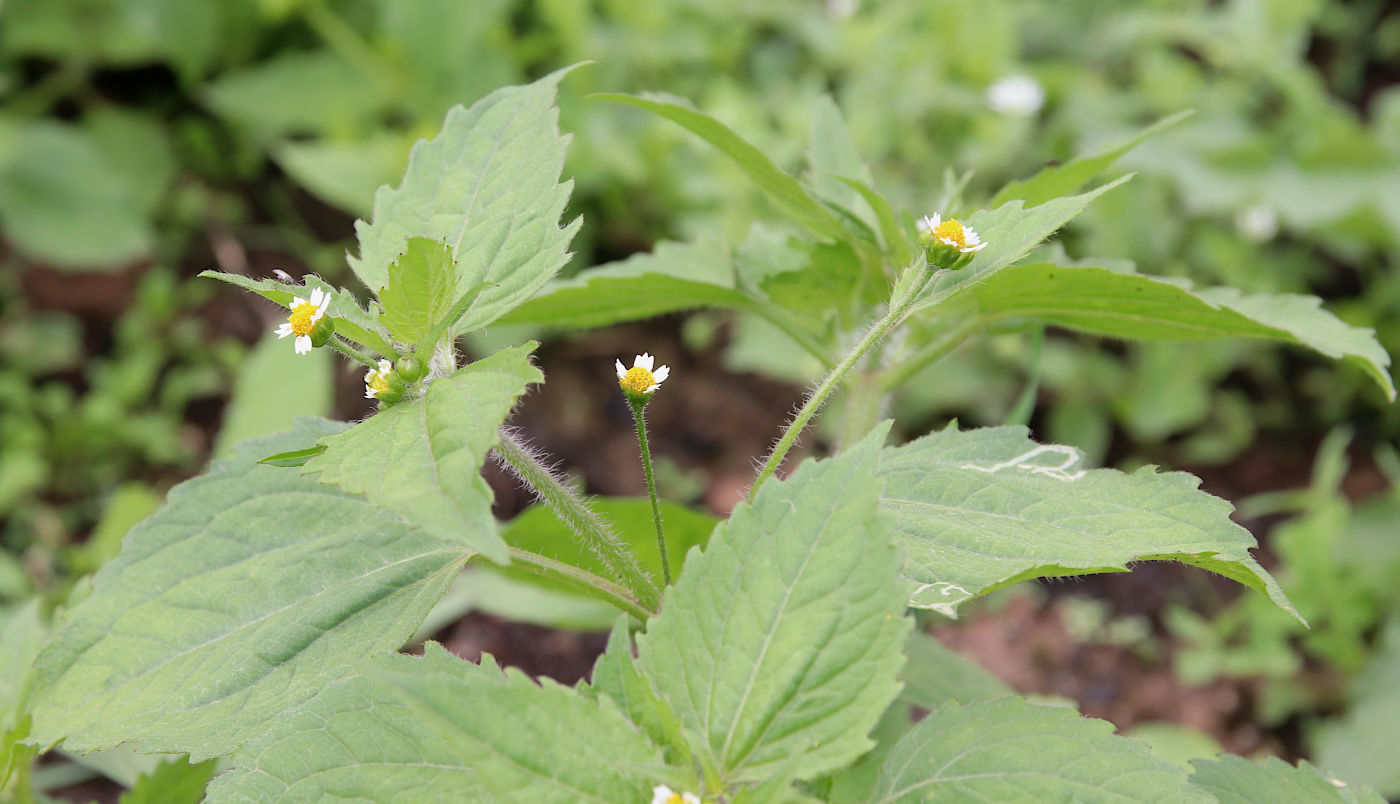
[351, 320]
[1059, 180]
[807, 278]
[1010, 231]
[833, 156]
[438, 729]
[617, 676]
[174, 781]
[1121, 304]
[422, 289]
[488, 185]
[538, 530]
[780, 644]
[249, 591]
[935, 674]
[1012, 751]
[22, 634]
[788, 192]
[345, 174]
[422, 457]
[982, 509]
[275, 386]
[673, 277]
[896, 239]
[1236, 780]
[510, 597]
[297, 92]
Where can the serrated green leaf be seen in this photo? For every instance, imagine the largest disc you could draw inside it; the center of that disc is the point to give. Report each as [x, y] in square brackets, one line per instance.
[174, 781]
[1058, 180]
[439, 729]
[673, 277]
[251, 589]
[1236, 780]
[616, 676]
[422, 457]
[1010, 231]
[351, 320]
[422, 288]
[981, 509]
[779, 645]
[489, 186]
[1012, 751]
[1105, 301]
[789, 193]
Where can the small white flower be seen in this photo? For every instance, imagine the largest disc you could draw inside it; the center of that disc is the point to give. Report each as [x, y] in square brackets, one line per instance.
[377, 380]
[661, 794]
[303, 319]
[1016, 96]
[951, 232]
[842, 9]
[640, 379]
[1258, 223]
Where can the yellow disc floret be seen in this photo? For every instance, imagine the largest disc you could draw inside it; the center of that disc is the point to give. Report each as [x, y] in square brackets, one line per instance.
[302, 319]
[951, 232]
[637, 380]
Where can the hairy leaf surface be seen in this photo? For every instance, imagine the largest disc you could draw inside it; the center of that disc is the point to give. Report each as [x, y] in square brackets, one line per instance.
[1012, 751]
[422, 288]
[422, 458]
[981, 509]
[250, 590]
[488, 185]
[780, 644]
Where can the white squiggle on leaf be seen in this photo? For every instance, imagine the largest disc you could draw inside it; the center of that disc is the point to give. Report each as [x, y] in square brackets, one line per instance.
[928, 595]
[1070, 456]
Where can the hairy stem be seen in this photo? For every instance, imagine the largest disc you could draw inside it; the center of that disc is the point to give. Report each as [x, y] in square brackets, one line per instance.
[639, 414]
[569, 507]
[341, 345]
[582, 580]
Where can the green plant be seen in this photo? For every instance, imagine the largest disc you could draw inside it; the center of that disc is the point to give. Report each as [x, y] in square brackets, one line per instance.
[258, 614]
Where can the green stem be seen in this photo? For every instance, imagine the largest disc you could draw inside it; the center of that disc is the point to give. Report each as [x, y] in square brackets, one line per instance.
[946, 342]
[340, 345]
[638, 413]
[818, 397]
[581, 579]
[587, 526]
[1024, 407]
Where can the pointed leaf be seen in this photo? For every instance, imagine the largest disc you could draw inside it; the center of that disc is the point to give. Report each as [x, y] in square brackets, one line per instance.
[833, 156]
[351, 320]
[439, 729]
[1236, 780]
[779, 645]
[488, 185]
[1121, 304]
[1012, 751]
[422, 288]
[1057, 180]
[249, 591]
[982, 509]
[422, 458]
[789, 193]
[617, 676]
[174, 781]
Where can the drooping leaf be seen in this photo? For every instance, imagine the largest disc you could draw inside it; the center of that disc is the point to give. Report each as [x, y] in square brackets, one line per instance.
[422, 457]
[422, 288]
[351, 320]
[779, 645]
[174, 781]
[249, 591]
[1118, 303]
[1010, 231]
[488, 185]
[981, 509]
[438, 729]
[1012, 751]
[1236, 780]
[789, 193]
[673, 277]
[1059, 180]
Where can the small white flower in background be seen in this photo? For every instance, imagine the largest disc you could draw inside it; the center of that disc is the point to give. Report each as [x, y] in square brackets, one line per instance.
[1016, 96]
[377, 380]
[842, 9]
[303, 319]
[662, 794]
[640, 379]
[1258, 223]
[951, 232]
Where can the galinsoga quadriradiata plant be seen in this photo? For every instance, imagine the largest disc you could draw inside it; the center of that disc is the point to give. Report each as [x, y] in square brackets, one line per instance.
[769, 657]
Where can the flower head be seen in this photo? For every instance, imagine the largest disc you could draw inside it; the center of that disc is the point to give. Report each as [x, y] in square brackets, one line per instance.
[641, 380]
[302, 322]
[1016, 96]
[377, 381]
[661, 794]
[952, 232]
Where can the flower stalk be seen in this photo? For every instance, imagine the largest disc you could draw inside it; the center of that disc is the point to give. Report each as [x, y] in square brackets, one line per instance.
[639, 414]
